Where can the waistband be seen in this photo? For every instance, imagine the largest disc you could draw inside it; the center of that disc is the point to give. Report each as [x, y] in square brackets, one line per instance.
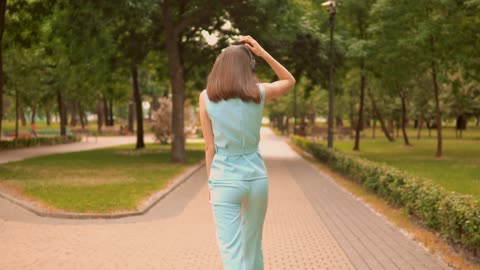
[234, 152]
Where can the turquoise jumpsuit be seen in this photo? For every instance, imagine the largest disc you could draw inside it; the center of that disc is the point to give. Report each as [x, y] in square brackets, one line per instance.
[238, 181]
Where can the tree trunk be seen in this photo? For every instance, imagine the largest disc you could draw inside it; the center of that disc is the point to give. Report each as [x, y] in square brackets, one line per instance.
[3, 7]
[73, 113]
[397, 128]
[62, 114]
[287, 127]
[311, 118]
[131, 113]
[374, 127]
[338, 122]
[351, 115]
[138, 107]
[391, 126]
[438, 116]
[105, 110]
[404, 118]
[34, 112]
[360, 111]
[99, 116]
[110, 110]
[367, 121]
[176, 76]
[81, 114]
[379, 117]
[151, 109]
[21, 115]
[17, 108]
[48, 116]
[420, 126]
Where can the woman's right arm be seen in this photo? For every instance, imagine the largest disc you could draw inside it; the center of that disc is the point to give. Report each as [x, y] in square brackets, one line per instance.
[285, 80]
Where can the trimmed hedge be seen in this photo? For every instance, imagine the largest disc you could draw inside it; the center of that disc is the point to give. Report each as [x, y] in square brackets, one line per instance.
[455, 216]
[29, 142]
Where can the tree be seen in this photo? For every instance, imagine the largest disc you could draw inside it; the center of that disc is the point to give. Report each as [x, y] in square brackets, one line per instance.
[3, 7]
[355, 16]
[426, 31]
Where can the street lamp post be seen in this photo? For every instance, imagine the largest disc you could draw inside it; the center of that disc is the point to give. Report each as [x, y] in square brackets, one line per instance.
[332, 11]
[294, 111]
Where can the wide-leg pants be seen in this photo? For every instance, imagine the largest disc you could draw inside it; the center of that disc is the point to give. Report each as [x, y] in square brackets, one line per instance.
[239, 208]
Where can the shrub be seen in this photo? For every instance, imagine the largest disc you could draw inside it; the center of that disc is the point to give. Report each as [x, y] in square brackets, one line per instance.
[162, 126]
[455, 216]
[29, 142]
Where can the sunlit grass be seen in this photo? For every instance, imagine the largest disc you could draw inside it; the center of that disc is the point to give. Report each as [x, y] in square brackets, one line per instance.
[102, 180]
[457, 170]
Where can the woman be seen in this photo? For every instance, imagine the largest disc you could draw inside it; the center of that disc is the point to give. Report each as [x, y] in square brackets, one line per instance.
[230, 114]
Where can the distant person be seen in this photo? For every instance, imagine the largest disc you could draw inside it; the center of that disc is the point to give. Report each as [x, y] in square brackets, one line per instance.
[231, 109]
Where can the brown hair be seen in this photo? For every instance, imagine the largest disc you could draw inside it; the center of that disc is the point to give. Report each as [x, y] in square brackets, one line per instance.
[232, 76]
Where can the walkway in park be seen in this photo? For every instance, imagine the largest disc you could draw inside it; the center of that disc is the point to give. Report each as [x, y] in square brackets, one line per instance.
[311, 223]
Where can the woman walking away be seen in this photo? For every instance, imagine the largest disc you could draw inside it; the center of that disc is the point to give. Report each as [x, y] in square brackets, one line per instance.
[231, 114]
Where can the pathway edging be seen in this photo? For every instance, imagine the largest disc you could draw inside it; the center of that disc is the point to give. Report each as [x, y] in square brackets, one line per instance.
[146, 205]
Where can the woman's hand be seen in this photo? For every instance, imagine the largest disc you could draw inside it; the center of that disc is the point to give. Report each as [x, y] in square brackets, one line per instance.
[253, 46]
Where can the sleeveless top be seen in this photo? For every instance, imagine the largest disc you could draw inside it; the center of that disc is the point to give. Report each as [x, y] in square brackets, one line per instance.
[236, 130]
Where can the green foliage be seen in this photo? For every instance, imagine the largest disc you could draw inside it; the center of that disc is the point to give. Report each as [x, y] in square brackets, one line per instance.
[455, 216]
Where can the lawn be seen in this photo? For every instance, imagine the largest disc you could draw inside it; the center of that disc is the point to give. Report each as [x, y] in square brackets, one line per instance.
[102, 180]
[458, 170]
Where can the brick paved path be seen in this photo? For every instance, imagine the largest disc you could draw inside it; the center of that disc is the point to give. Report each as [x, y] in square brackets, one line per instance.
[311, 223]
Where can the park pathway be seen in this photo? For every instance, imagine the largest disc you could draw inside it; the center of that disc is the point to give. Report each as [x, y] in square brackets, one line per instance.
[311, 223]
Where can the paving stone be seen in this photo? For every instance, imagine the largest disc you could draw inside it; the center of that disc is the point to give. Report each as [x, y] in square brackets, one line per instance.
[311, 223]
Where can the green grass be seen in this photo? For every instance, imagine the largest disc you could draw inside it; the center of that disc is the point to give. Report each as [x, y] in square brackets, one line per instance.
[102, 180]
[458, 170]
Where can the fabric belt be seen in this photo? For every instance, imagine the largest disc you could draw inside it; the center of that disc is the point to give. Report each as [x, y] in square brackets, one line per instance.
[234, 152]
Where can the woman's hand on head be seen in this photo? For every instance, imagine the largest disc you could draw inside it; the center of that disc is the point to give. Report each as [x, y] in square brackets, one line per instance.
[253, 45]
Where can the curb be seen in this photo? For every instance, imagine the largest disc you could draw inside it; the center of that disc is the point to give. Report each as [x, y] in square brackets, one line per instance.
[146, 205]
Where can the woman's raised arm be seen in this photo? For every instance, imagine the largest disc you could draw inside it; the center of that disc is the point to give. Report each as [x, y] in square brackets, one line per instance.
[285, 81]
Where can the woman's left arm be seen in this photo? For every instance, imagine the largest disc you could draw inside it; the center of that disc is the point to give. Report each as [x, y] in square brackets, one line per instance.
[207, 133]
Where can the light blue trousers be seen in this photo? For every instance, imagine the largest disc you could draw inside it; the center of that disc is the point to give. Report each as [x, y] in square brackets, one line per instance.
[239, 208]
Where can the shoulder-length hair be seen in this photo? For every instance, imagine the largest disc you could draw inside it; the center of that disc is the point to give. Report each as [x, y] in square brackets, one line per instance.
[233, 76]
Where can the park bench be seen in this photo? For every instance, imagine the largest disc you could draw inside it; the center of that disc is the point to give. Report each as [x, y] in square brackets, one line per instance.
[343, 131]
[109, 129]
[317, 132]
[114, 130]
[84, 133]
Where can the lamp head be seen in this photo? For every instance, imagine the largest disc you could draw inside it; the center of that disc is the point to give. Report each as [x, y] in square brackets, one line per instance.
[328, 4]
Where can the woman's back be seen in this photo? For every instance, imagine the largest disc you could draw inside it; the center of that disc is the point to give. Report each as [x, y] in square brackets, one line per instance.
[236, 129]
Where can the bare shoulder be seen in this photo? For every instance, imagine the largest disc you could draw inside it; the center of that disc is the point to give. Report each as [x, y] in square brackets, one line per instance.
[201, 97]
[267, 87]
[204, 91]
